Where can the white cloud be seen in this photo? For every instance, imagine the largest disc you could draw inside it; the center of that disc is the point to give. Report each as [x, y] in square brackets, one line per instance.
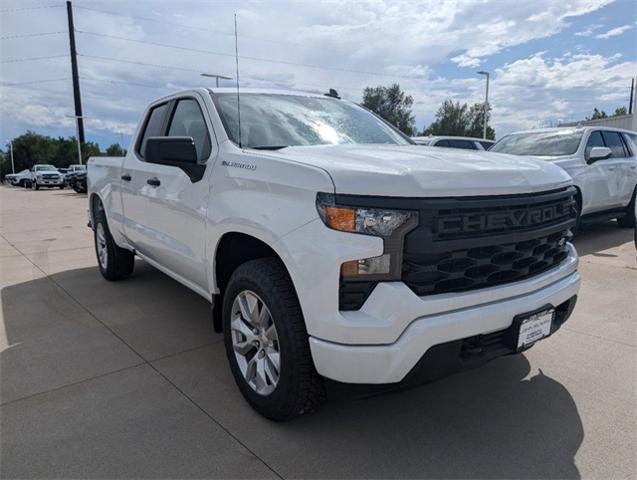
[529, 91]
[384, 41]
[614, 32]
[588, 31]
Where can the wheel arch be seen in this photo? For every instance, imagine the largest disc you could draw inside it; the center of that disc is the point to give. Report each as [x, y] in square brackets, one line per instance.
[95, 205]
[233, 249]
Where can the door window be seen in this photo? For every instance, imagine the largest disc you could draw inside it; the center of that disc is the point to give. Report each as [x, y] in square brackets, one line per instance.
[442, 143]
[153, 127]
[188, 121]
[595, 140]
[615, 143]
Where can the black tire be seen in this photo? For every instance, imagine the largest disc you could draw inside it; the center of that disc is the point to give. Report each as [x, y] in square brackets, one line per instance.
[299, 388]
[119, 262]
[578, 214]
[61, 187]
[36, 186]
[628, 219]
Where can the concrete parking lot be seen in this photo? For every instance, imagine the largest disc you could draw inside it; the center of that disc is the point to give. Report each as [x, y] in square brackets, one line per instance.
[128, 379]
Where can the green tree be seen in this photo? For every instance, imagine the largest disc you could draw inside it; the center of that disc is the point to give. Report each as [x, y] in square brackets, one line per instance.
[620, 111]
[392, 104]
[460, 120]
[31, 148]
[597, 114]
[115, 150]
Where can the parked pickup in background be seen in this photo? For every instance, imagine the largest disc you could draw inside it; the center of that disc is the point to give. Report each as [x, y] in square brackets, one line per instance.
[601, 160]
[46, 176]
[20, 179]
[331, 246]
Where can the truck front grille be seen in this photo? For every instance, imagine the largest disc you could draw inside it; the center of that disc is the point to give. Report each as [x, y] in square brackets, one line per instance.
[479, 267]
[468, 243]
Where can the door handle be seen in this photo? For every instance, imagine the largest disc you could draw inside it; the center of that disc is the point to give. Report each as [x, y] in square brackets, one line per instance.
[153, 181]
[611, 168]
[126, 177]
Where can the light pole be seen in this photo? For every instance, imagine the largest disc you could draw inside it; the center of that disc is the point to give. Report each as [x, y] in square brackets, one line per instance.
[77, 135]
[11, 150]
[217, 77]
[486, 103]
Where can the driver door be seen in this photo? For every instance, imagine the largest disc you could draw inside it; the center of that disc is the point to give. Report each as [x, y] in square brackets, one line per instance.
[177, 202]
[600, 189]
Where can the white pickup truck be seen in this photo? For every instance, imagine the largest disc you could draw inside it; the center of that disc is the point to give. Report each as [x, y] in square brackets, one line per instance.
[331, 246]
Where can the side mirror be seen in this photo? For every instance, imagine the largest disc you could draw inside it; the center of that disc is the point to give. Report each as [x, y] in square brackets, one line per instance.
[599, 153]
[172, 151]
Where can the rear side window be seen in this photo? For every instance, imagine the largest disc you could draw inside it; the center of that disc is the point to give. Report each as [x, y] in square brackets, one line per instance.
[466, 144]
[188, 121]
[631, 142]
[154, 123]
[615, 143]
[595, 140]
[442, 143]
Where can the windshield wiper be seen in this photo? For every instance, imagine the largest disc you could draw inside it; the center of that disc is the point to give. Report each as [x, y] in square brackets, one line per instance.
[268, 147]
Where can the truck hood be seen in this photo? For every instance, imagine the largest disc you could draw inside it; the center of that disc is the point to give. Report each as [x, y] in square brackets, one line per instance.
[416, 171]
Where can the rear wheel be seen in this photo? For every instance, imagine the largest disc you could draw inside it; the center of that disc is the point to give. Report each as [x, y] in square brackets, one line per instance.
[628, 220]
[267, 343]
[115, 263]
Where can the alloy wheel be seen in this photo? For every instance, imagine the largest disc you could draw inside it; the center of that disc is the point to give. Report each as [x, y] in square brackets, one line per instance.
[255, 342]
[100, 241]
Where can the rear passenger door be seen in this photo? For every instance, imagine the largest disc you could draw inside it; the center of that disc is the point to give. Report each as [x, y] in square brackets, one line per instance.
[178, 201]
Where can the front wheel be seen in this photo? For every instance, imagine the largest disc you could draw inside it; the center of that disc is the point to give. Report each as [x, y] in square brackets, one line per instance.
[628, 220]
[35, 186]
[267, 343]
[115, 263]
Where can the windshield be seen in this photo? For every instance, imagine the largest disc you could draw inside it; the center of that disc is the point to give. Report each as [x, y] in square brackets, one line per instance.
[553, 143]
[277, 121]
[45, 168]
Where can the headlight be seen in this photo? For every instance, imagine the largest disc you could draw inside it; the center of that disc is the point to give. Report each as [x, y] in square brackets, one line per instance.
[368, 221]
[391, 225]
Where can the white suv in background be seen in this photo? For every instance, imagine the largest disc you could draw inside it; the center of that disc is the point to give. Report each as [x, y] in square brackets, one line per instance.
[601, 160]
[466, 143]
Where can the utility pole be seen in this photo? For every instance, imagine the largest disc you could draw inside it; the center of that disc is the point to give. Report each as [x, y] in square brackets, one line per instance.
[11, 150]
[76, 79]
[486, 104]
[77, 136]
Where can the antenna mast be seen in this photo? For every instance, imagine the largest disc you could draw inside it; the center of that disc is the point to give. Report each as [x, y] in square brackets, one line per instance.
[236, 56]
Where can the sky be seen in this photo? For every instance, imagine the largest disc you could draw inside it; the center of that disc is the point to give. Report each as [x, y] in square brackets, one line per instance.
[549, 60]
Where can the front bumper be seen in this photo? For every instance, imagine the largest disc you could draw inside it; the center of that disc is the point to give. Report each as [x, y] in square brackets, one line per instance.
[50, 183]
[390, 363]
